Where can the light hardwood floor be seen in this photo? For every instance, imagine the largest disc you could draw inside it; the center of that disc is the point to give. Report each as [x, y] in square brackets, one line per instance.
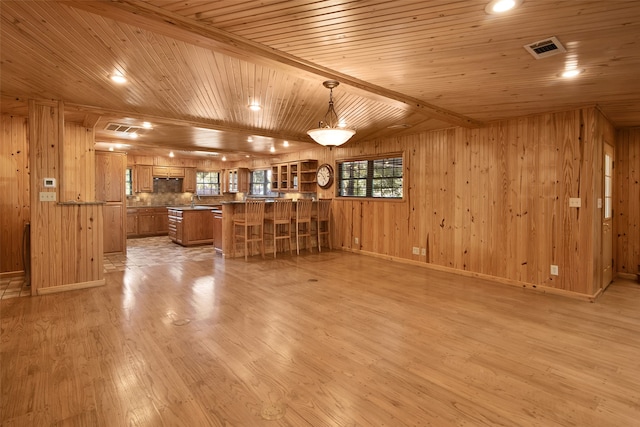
[330, 339]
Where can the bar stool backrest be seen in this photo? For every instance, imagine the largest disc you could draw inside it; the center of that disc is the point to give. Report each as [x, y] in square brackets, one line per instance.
[324, 209]
[303, 209]
[254, 211]
[282, 210]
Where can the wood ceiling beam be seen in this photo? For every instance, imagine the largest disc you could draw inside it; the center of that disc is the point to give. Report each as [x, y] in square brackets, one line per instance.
[172, 25]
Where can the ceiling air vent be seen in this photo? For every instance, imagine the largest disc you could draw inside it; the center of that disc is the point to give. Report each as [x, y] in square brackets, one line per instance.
[543, 48]
[129, 129]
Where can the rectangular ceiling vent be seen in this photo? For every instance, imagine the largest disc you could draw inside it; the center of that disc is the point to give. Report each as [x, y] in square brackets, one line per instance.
[543, 48]
[129, 129]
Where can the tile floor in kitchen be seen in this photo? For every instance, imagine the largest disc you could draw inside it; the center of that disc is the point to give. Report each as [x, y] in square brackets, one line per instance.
[141, 252]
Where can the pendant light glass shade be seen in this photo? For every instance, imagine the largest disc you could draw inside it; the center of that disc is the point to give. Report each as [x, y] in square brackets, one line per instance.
[328, 132]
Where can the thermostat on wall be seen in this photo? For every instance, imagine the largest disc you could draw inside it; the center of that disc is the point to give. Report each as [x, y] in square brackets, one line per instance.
[50, 182]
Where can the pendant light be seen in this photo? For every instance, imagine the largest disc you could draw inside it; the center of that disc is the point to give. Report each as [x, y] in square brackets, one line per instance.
[328, 132]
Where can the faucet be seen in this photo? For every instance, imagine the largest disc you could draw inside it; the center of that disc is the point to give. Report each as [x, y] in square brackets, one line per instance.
[192, 202]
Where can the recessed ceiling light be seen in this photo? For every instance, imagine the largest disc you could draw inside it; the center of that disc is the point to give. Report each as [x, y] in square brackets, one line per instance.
[501, 6]
[133, 135]
[569, 74]
[247, 156]
[147, 125]
[118, 78]
[171, 154]
[286, 143]
[224, 158]
[272, 149]
[255, 107]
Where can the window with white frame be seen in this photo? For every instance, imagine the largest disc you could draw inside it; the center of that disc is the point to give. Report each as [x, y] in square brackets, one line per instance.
[207, 183]
[374, 178]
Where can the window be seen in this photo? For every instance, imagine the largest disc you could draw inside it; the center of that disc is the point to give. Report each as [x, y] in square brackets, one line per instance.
[207, 183]
[128, 182]
[261, 183]
[377, 178]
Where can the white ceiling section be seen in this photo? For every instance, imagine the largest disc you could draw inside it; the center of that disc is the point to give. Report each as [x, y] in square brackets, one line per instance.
[193, 67]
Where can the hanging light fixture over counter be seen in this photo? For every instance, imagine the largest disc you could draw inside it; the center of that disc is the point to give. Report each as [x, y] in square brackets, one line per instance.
[329, 133]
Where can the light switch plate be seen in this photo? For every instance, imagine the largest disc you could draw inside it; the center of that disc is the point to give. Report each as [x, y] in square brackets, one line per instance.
[47, 196]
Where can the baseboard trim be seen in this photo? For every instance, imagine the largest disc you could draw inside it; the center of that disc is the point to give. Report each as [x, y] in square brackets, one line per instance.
[71, 287]
[628, 276]
[501, 280]
[10, 274]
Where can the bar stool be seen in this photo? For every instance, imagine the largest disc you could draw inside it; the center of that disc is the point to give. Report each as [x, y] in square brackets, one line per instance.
[322, 218]
[252, 226]
[303, 218]
[280, 218]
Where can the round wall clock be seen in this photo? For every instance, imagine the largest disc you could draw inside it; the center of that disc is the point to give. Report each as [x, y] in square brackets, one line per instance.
[324, 176]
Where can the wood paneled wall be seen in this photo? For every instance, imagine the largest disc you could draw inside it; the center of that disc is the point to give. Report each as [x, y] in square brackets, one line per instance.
[14, 189]
[66, 240]
[627, 201]
[491, 201]
[77, 181]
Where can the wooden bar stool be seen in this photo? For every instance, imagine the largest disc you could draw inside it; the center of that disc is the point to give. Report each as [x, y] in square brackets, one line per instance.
[322, 218]
[303, 218]
[280, 219]
[251, 223]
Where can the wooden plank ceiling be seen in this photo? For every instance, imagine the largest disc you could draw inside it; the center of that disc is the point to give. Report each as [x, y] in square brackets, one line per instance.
[404, 65]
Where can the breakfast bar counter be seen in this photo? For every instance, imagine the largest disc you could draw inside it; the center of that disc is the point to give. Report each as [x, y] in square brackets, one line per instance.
[232, 208]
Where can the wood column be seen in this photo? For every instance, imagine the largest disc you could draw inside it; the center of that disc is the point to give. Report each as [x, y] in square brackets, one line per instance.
[66, 237]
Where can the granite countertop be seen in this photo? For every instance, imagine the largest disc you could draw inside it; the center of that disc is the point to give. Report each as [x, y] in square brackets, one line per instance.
[199, 206]
[241, 202]
[194, 208]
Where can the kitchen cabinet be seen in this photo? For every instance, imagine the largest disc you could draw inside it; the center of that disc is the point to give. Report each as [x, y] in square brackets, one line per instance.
[189, 181]
[143, 179]
[237, 180]
[110, 187]
[297, 176]
[147, 222]
[168, 172]
[189, 226]
[132, 222]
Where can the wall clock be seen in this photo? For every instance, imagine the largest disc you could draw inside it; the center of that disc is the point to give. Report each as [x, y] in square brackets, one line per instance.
[324, 176]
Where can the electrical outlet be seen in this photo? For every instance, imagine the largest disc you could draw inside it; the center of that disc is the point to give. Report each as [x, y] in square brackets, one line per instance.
[554, 270]
[47, 196]
[423, 251]
[575, 202]
[356, 240]
[416, 251]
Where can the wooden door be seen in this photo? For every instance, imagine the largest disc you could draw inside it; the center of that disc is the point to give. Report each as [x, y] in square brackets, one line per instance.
[607, 216]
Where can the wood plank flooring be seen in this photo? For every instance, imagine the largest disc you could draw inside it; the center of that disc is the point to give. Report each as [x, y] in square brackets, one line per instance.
[330, 339]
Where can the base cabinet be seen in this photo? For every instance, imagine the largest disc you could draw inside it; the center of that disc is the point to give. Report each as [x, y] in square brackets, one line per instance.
[147, 222]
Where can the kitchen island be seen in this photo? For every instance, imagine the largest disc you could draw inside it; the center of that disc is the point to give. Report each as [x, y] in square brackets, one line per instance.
[191, 225]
